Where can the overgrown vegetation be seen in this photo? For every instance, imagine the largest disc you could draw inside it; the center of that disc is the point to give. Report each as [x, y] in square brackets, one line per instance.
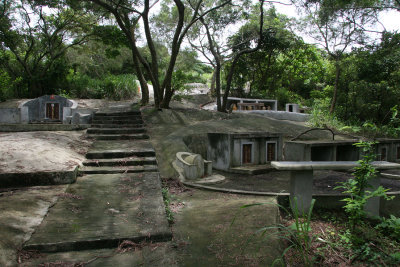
[167, 202]
[343, 238]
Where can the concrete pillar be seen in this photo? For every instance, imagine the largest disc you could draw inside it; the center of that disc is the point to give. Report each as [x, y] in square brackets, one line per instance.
[373, 204]
[301, 187]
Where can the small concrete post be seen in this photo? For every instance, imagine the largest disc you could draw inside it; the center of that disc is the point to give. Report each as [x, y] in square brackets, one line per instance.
[373, 204]
[301, 187]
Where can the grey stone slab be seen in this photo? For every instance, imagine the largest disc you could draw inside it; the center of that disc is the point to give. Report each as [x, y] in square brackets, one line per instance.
[126, 130]
[20, 179]
[129, 161]
[329, 165]
[150, 255]
[22, 211]
[99, 211]
[136, 125]
[119, 169]
[119, 136]
[120, 149]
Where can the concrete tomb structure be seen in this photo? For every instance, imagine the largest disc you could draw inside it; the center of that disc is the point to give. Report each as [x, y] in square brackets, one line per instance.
[339, 150]
[47, 108]
[388, 149]
[53, 109]
[290, 107]
[229, 150]
[251, 104]
[302, 174]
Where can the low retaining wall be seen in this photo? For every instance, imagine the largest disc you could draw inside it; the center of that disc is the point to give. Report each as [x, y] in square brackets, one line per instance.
[37, 178]
[42, 127]
[279, 115]
[10, 115]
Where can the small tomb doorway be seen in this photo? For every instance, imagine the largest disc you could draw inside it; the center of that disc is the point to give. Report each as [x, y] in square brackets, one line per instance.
[398, 153]
[383, 154]
[53, 111]
[247, 151]
[271, 151]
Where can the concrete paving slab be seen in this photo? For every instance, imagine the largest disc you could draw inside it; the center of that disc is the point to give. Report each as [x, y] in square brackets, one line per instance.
[155, 254]
[100, 211]
[22, 211]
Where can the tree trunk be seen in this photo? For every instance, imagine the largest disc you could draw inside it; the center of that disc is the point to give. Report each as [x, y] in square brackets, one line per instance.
[335, 91]
[142, 81]
[218, 85]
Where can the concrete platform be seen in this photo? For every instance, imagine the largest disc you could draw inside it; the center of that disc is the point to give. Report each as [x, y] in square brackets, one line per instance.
[19, 179]
[99, 211]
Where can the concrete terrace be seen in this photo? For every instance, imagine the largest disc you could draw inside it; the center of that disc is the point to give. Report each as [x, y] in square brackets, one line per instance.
[117, 199]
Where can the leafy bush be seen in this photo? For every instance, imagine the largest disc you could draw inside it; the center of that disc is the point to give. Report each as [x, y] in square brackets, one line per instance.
[120, 87]
[390, 226]
[116, 87]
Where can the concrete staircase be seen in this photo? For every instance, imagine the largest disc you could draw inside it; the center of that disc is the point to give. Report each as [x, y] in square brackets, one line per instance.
[119, 126]
[117, 198]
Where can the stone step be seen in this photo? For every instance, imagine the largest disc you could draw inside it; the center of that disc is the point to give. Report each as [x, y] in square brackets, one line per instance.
[139, 117]
[120, 149]
[127, 121]
[115, 130]
[118, 169]
[118, 113]
[129, 161]
[133, 125]
[118, 136]
[99, 211]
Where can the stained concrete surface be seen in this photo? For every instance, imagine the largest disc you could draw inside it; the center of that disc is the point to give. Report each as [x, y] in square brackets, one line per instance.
[99, 211]
[211, 229]
[21, 212]
[147, 254]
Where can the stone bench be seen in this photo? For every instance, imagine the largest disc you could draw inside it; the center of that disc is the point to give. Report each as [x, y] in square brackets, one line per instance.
[302, 173]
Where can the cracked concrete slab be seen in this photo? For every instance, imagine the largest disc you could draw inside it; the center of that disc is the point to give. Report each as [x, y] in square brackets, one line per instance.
[101, 210]
[21, 212]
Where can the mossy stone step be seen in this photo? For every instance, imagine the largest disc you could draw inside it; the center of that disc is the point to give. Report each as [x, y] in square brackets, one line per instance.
[136, 112]
[118, 117]
[118, 169]
[108, 125]
[127, 121]
[118, 136]
[129, 161]
[120, 149]
[115, 130]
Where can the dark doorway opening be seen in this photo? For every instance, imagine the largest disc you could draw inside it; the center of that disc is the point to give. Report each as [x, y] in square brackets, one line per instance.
[246, 153]
[271, 151]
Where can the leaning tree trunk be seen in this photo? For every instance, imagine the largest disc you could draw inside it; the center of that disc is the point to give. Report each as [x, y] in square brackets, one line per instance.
[335, 91]
[142, 81]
